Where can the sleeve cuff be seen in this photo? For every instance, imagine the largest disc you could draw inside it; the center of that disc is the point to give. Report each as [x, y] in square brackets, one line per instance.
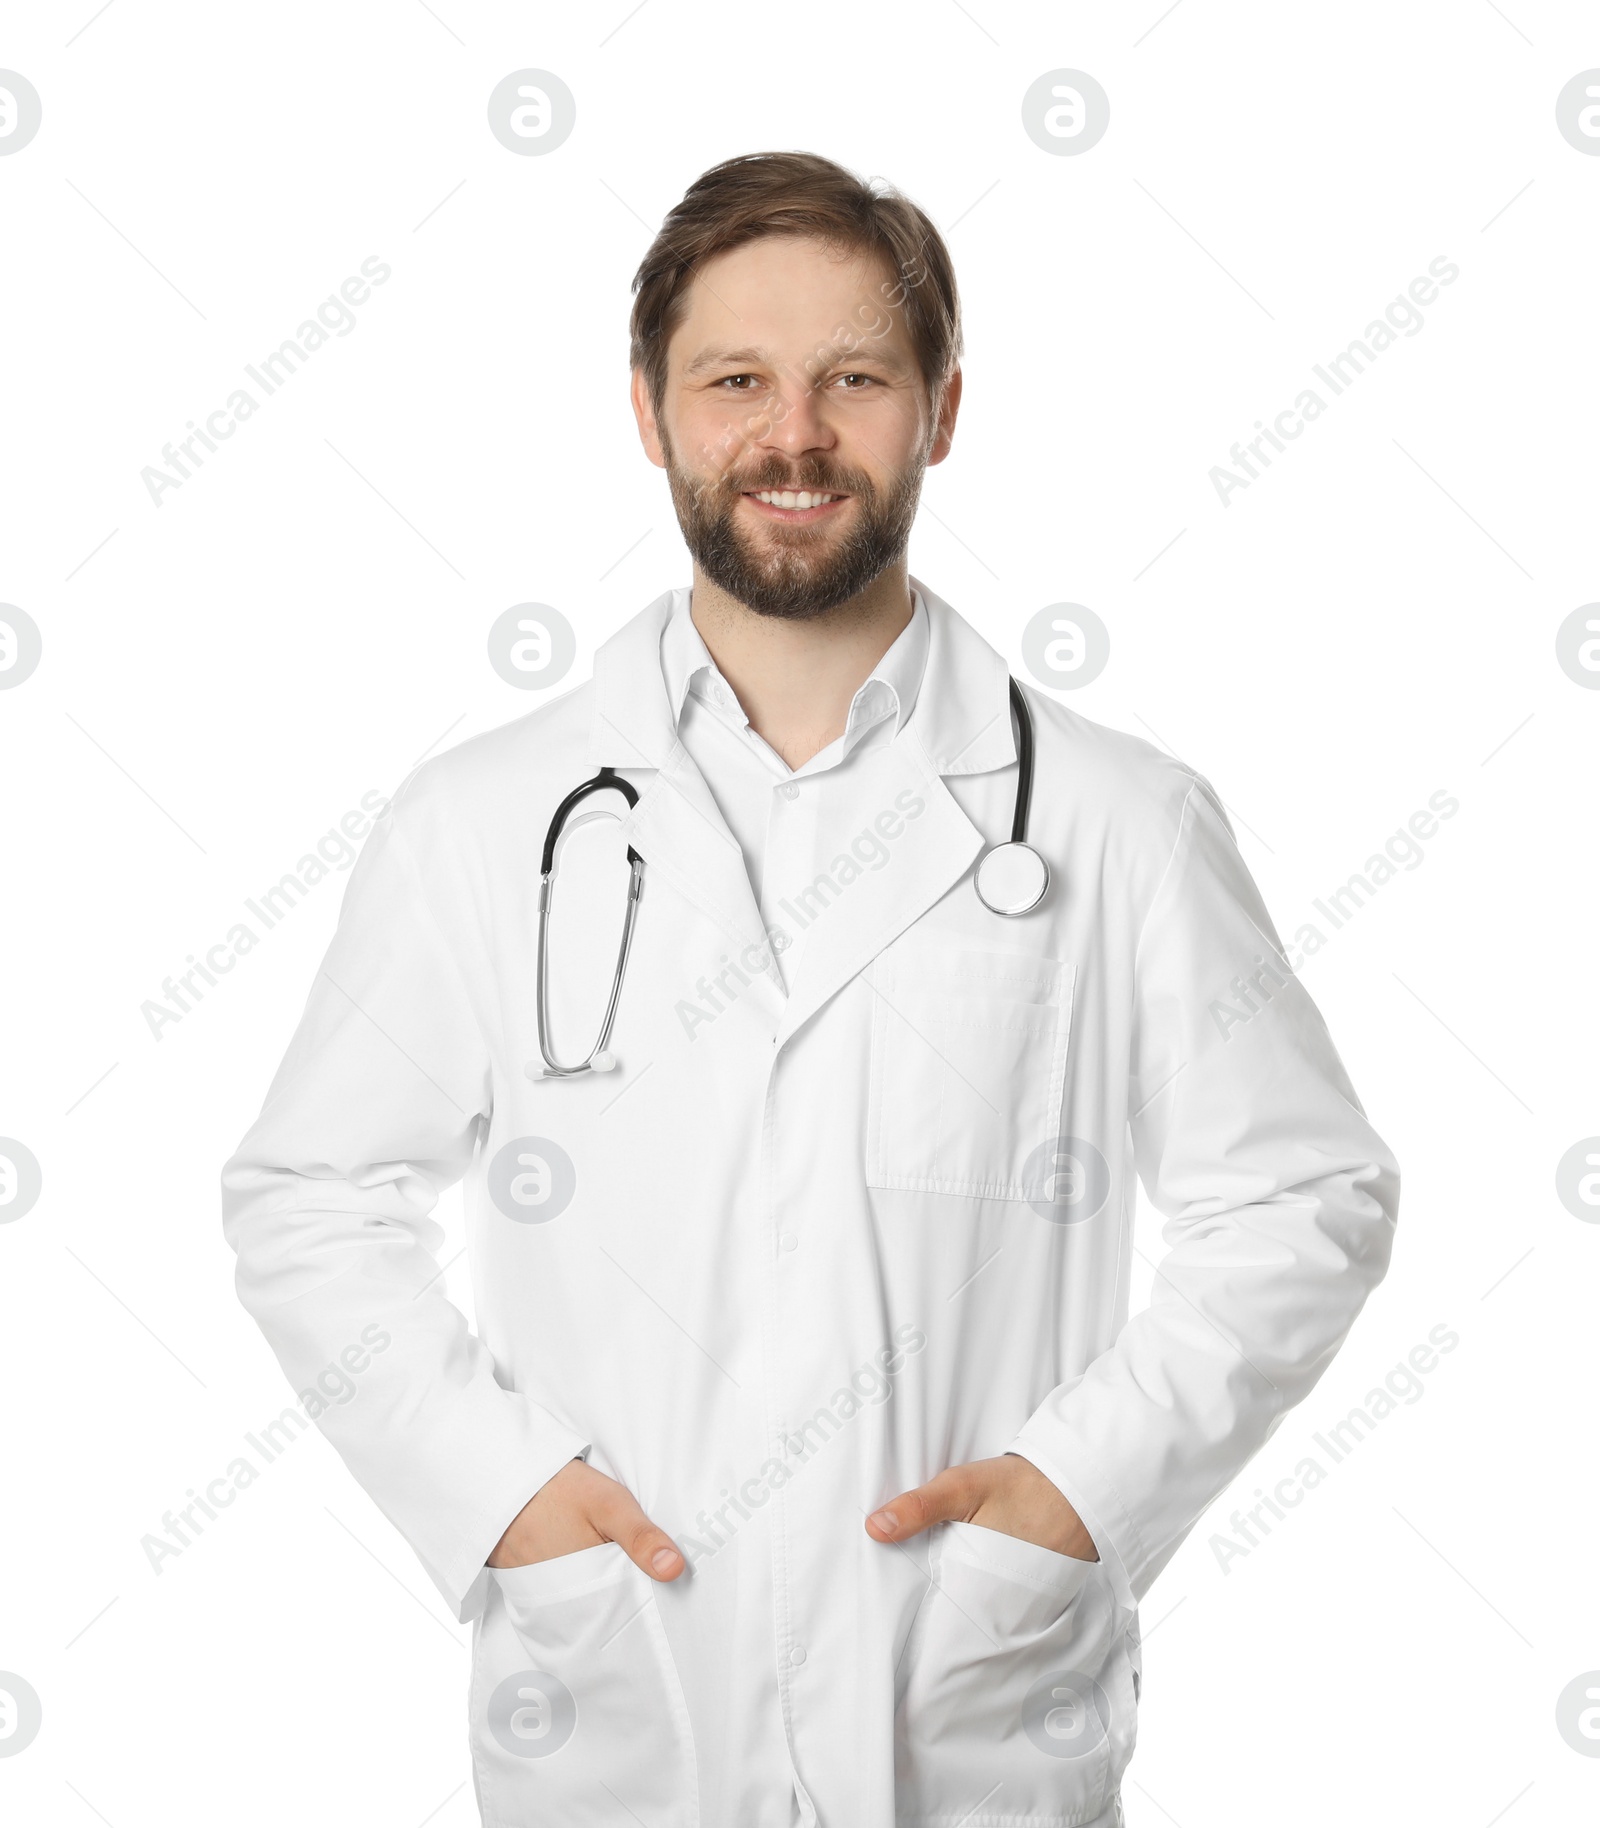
[463, 1579]
[1097, 1505]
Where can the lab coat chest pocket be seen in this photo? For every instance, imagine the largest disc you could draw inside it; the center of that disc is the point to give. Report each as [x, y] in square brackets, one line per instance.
[576, 1707]
[969, 1058]
[1015, 1684]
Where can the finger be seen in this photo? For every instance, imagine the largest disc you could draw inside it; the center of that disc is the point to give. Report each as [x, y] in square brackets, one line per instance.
[620, 1519]
[947, 1496]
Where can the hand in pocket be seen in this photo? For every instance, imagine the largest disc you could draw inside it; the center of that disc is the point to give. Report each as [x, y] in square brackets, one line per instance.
[1007, 1493]
[577, 1509]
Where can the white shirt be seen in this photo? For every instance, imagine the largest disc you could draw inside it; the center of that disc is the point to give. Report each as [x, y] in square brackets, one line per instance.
[791, 824]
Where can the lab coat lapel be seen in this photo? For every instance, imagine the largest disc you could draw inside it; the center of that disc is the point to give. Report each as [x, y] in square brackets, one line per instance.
[677, 826]
[931, 850]
[961, 725]
[679, 831]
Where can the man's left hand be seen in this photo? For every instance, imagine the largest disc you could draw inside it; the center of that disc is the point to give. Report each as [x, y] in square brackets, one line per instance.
[1008, 1494]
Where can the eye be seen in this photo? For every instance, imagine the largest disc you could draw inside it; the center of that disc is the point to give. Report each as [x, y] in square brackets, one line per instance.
[727, 380]
[870, 379]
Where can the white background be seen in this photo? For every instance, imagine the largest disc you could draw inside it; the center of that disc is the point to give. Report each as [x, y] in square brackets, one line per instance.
[1369, 622]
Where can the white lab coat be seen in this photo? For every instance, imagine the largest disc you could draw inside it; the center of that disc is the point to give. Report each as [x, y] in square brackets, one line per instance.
[807, 1250]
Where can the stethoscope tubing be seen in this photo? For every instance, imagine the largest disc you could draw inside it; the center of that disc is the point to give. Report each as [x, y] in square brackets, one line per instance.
[606, 778]
[609, 778]
[1019, 814]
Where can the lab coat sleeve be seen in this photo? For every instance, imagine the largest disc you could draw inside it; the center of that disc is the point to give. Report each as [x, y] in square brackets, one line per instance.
[1279, 1202]
[374, 1110]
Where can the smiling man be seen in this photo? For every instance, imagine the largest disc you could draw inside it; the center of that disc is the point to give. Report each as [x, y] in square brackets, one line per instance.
[805, 1465]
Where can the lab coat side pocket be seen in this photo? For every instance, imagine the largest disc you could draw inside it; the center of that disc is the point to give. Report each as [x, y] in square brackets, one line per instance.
[1014, 1686]
[576, 1706]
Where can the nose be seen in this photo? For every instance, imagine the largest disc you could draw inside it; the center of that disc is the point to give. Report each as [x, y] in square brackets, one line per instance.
[796, 422]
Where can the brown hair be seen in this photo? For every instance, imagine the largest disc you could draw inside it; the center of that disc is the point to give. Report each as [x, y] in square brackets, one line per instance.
[797, 193]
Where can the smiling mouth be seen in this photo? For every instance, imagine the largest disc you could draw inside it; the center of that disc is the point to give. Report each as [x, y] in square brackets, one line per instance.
[794, 504]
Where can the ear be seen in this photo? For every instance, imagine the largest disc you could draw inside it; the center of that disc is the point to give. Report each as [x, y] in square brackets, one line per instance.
[644, 416]
[945, 430]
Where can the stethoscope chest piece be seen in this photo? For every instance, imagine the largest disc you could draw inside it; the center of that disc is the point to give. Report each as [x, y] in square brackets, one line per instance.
[1012, 878]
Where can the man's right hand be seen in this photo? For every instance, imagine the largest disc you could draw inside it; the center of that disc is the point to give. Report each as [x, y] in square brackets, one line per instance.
[578, 1508]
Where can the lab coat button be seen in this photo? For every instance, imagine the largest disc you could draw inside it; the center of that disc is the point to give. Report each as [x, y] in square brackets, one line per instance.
[788, 1241]
[797, 1656]
[789, 791]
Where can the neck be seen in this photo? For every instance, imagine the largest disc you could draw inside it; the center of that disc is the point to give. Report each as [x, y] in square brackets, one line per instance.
[795, 677]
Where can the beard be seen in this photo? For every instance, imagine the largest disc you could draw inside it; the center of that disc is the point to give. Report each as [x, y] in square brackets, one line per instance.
[801, 571]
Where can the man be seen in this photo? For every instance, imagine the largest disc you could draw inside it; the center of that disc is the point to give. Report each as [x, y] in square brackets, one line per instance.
[805, 1466]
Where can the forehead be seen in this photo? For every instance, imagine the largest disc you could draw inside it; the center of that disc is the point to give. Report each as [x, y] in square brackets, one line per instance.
[786, 295]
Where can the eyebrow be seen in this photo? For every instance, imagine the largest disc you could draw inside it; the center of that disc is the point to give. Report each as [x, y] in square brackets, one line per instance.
[760, 358]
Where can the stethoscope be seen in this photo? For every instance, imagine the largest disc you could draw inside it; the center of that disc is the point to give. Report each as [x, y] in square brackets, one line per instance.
[1010, 880]
[600, 1058]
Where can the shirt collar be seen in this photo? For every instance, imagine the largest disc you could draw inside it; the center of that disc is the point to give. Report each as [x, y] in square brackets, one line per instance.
[890, 690]
[950, 686]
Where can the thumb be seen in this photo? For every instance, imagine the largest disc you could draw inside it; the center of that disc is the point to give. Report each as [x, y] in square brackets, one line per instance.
[943, 1499]
[619, 1518]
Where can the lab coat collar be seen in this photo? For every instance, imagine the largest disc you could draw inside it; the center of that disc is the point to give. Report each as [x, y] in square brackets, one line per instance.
[633, 726]
[963, 712]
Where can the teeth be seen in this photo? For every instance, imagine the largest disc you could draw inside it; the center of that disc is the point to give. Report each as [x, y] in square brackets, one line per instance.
[791, 498]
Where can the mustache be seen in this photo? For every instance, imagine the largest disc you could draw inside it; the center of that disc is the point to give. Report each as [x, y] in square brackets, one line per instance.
[826, 485]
